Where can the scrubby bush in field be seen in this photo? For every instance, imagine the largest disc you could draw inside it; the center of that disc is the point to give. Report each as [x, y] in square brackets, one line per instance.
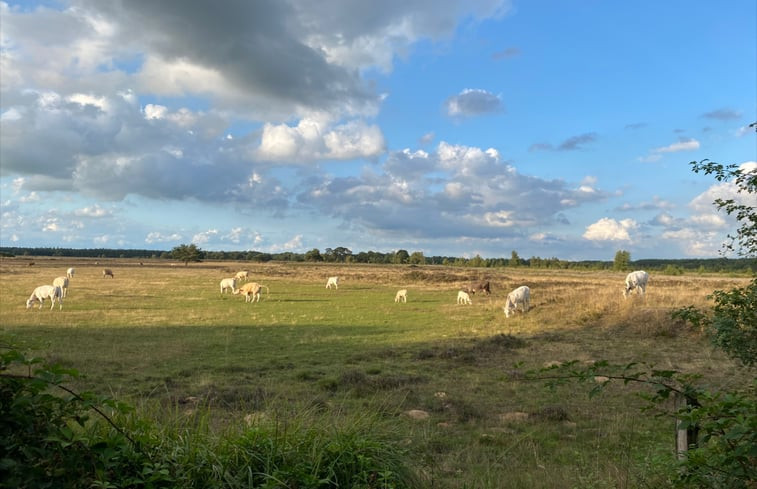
[50, 439]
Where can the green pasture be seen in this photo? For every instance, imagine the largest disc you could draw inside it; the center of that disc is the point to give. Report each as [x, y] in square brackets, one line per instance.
[165, 339]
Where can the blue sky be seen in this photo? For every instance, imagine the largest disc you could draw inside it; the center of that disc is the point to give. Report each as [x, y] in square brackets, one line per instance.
[551, 128]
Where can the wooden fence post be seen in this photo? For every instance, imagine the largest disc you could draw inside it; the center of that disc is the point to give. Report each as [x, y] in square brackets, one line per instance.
[685, 437]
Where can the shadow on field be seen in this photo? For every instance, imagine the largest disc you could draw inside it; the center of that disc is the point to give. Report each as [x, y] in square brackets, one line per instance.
[298, 300]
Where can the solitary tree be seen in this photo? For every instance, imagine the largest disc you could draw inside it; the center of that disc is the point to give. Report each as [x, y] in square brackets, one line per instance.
[622, 260]
[187, 253]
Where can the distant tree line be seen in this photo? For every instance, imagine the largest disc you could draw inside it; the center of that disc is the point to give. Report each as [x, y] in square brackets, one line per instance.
[186, 253]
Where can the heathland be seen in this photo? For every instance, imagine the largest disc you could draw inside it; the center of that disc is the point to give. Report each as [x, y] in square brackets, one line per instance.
[452, 385]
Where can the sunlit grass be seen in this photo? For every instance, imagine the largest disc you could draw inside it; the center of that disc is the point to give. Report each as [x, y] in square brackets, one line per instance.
[166, 339]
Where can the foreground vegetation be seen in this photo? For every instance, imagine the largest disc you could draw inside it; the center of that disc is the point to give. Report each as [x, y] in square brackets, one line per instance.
[423, 394]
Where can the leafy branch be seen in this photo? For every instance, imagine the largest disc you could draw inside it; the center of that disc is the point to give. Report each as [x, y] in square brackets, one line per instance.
[664, 382]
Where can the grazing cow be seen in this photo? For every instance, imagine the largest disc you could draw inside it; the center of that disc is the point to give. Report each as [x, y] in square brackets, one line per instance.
[70, 272]
[251, 291]
[522, 296]
[332, 281]
[243, 275]
[401, 296]
[107, 272]
[479, 286]
[463, 297]
[229, 283]
[636, 280]
[44, 292]
[62, 282]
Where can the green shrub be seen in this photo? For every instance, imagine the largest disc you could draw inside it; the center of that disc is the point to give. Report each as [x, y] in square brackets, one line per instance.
[47, 438]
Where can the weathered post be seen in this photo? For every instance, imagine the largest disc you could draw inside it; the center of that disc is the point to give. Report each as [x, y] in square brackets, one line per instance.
[685, 437]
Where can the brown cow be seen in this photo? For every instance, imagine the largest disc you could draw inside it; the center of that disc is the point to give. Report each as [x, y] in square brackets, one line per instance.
[482, 286]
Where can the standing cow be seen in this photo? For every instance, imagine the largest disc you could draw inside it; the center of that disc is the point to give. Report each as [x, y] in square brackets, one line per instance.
[482, 286]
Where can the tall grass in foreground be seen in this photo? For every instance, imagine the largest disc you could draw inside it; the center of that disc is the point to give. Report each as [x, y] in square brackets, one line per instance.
[82, 440]
[305, 451]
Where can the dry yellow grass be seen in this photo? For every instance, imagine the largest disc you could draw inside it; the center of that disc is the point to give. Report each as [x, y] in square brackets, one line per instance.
[162, 331]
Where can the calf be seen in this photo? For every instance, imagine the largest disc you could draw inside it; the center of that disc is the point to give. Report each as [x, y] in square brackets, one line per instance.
[463, 297]
[332, 281]
[401, 296]
[229, 284]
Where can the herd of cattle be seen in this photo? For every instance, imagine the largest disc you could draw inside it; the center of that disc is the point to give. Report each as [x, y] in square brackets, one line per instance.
[521, 296]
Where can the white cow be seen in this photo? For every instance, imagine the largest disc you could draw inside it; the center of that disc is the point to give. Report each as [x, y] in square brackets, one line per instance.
[463, 297]
[636, 280]
[522, 296]
[401, 296]
[332, 281]
[242, 275]
[229, 283]
[70, 272]
[44, 292]
[62, 282]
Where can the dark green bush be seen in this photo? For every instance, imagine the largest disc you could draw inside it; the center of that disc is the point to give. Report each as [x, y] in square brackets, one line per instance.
[46, 437]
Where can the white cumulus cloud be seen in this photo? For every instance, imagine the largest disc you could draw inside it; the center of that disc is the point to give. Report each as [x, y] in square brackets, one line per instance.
[318, 139]
[607, 229]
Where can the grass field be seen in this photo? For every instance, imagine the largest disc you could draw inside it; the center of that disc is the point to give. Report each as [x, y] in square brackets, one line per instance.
[162, 336]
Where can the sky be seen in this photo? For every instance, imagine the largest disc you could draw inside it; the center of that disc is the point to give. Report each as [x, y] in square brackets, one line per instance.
[552, 128]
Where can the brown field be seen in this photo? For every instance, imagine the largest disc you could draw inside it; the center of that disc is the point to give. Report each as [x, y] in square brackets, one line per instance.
[159, 333]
